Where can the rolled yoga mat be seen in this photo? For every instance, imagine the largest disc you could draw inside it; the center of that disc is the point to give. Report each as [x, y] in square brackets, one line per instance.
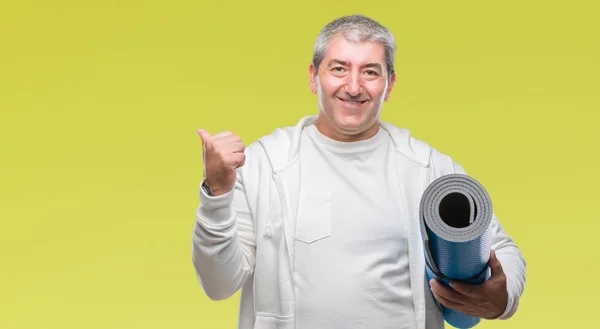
[455, 215]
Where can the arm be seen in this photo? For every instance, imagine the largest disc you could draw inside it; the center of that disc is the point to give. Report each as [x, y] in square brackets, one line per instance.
[223, 243]
[513, 266]
[511, 259]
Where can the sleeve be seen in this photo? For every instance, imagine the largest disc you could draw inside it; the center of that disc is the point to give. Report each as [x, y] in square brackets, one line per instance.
[223, 241]
[511, 258]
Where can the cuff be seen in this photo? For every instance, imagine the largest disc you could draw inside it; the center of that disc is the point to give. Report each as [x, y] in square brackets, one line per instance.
[215, 210]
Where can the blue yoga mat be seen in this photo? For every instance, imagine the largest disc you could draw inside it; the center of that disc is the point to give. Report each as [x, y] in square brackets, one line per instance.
[455, 214]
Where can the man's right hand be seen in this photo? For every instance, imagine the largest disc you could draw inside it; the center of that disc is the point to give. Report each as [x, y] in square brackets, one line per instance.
[222, 154]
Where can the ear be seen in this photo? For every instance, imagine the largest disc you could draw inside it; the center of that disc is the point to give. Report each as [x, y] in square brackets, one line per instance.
[390, 86]
[311, 78]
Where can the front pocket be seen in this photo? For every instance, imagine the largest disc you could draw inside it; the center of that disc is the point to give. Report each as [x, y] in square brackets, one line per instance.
[268, 321]
[314, 218]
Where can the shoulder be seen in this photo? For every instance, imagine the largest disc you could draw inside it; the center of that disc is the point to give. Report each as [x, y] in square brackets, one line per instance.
[282, 145]
[272, 151]
[421, 152]
[414, 149]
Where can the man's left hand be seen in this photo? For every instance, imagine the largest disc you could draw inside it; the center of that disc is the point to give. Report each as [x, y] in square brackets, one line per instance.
[487, 300]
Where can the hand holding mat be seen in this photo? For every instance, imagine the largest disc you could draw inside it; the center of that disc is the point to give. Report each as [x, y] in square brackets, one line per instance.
[487, 300]
[455, 216]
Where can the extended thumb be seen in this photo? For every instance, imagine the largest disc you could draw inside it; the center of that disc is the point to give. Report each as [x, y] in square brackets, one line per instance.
[204, 135]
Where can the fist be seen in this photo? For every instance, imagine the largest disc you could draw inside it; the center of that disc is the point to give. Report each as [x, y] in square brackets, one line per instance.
[222, 154]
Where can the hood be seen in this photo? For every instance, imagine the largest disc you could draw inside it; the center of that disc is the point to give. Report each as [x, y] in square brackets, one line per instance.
[281, 146]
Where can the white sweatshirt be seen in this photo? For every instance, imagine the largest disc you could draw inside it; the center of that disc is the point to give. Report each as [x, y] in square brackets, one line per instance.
[351, 265]
[246, 239]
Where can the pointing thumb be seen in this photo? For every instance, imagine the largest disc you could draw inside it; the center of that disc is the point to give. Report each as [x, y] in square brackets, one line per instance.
[204, 135]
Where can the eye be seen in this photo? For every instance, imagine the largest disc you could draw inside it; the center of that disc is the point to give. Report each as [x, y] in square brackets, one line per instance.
[371, 73]
[338, 69]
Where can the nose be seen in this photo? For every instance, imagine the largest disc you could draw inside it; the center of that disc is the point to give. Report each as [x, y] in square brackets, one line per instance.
[353, 85]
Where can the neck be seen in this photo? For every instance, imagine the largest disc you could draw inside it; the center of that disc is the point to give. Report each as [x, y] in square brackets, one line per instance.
[341, 135]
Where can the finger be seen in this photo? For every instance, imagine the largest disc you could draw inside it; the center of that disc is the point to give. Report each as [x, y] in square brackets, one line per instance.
[222, 134]
[449, 303]
[472, 313]
[447, 292]
[226, 140]
[495, 265]
[237, 160]
[465, 288]
[467, 309]
[224, 151]
[237, 147]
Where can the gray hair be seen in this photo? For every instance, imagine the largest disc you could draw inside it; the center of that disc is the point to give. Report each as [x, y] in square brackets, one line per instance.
[356, 28]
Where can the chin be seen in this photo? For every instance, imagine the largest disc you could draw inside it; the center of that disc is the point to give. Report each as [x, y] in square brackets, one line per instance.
[352, 126]
[353, 121]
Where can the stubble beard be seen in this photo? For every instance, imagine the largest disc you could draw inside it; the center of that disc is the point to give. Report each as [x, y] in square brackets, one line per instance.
[321, 102]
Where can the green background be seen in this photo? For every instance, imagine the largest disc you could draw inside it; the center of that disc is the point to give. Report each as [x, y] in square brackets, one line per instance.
[100, 162]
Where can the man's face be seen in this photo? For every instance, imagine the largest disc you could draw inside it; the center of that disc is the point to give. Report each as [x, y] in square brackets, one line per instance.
[351, 85]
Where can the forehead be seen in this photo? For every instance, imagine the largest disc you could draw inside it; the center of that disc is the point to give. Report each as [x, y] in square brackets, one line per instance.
[355, 53]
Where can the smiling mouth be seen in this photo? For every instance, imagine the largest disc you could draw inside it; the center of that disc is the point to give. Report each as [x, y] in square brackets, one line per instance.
[352, 102]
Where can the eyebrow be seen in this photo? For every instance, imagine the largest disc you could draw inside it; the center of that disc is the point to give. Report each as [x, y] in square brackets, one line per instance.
[368, 65]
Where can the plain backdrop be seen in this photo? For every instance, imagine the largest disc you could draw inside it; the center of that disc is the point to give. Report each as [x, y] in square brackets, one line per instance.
[100, 163]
